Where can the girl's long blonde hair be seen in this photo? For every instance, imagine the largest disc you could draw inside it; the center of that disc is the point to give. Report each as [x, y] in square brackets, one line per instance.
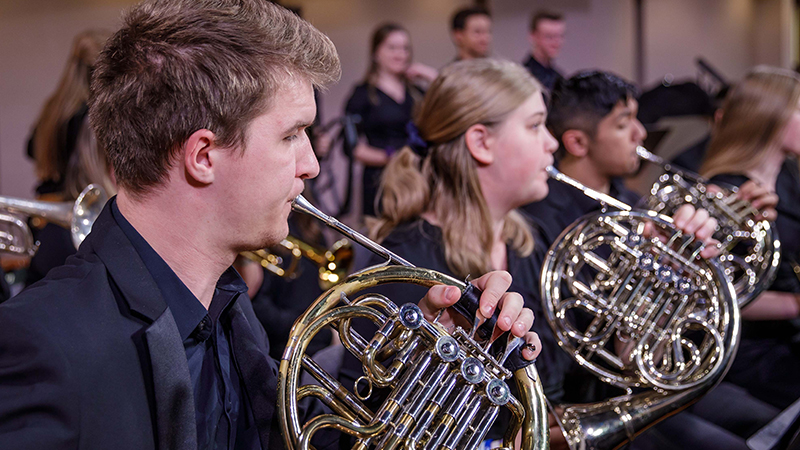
[70, 96]
[445, 182]
[754, 116]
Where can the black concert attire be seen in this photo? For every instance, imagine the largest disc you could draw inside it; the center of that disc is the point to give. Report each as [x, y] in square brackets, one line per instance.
[111, 350]
[5, 291]
[548, 76]
[768, 359]
[383, 123]
[67, 141]
[55, 242]
[721, 420]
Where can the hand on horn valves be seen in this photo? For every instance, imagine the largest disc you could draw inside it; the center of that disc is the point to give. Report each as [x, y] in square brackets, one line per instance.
[513, 316]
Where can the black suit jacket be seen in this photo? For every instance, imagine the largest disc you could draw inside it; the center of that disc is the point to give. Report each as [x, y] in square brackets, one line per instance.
[91, 358]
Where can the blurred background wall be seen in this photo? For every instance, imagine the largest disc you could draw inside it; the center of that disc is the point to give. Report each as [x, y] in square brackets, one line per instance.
[733, 35]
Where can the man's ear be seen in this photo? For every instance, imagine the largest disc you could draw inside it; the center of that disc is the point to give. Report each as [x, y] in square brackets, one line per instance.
[479, 143]
[455, 35]
[197, 156]
[576, 143]
[718, 115]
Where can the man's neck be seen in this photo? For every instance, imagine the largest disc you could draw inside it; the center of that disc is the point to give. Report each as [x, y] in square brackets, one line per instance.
[463, 55]
[181, 238]
[584, 171]
[541, 58]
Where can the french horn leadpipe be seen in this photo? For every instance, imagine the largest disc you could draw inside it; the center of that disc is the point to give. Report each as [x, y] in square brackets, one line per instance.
[445, 387]
[750, 246]
[77, 217]
[644, 314]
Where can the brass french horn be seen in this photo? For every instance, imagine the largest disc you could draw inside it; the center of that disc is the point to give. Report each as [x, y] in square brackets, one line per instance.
[446, 387]
[641, 313]
[77, 217]
[751, 249]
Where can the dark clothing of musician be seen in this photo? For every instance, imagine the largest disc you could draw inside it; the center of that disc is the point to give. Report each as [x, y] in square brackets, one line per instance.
[110, 350]
[720, 420]
[383, 122]
[222, 413]
[5, 291]
[55, 242]
[691, 158]
[768, 359]
[55, 246]
[547, 76]
[67, 141]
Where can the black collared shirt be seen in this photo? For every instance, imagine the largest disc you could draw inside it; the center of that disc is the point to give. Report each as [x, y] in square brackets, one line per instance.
[548, 76]
[222, 413]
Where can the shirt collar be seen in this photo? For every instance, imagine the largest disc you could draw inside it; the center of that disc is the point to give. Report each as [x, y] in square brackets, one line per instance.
[186, 308]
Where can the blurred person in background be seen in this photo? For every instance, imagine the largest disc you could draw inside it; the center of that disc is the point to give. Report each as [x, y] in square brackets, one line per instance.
[546, 36]
[384, 103]
[65, 152]
[757, 139]
[471, 31]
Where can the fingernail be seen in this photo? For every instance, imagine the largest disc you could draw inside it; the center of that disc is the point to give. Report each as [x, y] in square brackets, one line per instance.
[520, 325]
[451, 295]
[487, 310]
[507, 322]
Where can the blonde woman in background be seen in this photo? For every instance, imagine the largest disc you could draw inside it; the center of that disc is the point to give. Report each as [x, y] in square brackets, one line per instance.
[758, 139]
[384, 103]
[65, 152]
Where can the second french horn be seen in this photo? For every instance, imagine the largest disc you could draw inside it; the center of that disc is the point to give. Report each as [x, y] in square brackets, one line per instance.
[751, 250]
[630, 301]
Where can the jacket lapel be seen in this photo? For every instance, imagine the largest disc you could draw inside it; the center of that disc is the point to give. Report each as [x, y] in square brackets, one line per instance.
[174, 398]
[172, 388]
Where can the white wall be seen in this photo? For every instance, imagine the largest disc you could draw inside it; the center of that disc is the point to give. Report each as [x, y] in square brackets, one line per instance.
[35, 40]
[35, 37]
[733, 35]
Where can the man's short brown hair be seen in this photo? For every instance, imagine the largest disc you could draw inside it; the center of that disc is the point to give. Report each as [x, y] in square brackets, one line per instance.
[541, 15]
[177, 66]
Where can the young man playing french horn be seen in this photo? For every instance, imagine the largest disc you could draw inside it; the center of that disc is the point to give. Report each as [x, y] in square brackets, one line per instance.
[593, 116]
[145, 338]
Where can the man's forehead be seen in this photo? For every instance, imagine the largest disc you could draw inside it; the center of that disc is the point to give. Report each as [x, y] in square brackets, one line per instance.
[293, 97]
[477, 20]
[625, 107]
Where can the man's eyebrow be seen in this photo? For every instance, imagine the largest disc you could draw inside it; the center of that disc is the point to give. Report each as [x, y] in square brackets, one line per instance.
[298, 126]
[625, 112]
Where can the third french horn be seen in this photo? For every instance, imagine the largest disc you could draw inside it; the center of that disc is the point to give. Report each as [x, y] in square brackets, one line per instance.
[751, 249]
[629, 299]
